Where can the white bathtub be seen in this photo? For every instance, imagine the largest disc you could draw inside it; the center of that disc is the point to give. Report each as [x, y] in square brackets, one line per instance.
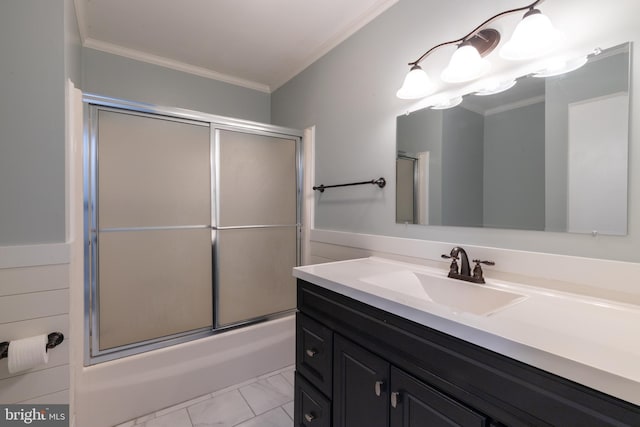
[112, 392]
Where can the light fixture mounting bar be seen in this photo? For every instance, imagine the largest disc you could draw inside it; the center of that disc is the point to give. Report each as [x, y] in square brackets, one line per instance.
[476, 31]
[484, 41]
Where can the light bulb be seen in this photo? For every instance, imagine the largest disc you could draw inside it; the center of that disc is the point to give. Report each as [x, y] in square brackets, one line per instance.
[417, 84]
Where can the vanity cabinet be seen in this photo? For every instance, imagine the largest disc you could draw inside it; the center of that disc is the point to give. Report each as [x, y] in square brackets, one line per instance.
[359, 366]
[360, 387]
[369, 391]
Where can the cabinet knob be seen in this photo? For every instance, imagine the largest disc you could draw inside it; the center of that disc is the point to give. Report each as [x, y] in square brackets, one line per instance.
[395, 398]
[378, 387]
[311, 352]
[309, 417]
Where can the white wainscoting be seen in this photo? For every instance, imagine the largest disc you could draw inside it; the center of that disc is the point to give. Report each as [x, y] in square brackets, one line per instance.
[34, 300]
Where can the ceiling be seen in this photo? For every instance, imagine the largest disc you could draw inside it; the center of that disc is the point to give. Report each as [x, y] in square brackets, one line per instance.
[259, 44]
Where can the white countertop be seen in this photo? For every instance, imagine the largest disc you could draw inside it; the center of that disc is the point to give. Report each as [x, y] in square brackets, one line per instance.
[594, 342]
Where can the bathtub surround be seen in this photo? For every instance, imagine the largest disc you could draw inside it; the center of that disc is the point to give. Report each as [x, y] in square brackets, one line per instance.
[116, 390]
[113, 392]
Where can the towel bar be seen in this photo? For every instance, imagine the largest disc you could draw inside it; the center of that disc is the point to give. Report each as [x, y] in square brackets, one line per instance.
[380, 182]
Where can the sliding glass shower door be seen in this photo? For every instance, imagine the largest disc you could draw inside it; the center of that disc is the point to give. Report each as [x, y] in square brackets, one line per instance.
[191, 227]
[257, 225]
[154, 273]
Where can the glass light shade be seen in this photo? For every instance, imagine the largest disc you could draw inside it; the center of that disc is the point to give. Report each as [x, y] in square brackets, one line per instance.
[446, 103]
[558, 66]
[494, 86]
[417, 84]
[466, 64]
[534, 36]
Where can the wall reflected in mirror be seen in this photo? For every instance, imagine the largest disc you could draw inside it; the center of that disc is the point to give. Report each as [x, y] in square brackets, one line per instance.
[548, 154]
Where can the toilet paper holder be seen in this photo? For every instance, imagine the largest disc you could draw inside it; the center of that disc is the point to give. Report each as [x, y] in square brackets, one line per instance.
[53, 339]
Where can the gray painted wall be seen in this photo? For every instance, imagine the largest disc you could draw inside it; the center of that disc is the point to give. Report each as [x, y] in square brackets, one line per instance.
[32, 120]
[349, 95]
[514, 175]
[119, 77]
[73, 45]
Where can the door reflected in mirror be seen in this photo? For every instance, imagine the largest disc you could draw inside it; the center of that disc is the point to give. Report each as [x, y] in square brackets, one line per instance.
[549, 154]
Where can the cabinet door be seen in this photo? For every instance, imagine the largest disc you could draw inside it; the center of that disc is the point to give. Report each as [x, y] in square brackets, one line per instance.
[360, 386]
[415, 404]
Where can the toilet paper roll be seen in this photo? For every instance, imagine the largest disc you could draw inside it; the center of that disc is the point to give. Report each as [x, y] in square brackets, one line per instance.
[27, 353]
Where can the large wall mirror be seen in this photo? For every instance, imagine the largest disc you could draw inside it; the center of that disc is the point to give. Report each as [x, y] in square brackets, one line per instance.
[548, 154]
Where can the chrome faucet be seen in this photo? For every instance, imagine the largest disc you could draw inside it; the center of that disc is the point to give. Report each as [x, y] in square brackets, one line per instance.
[465, 270]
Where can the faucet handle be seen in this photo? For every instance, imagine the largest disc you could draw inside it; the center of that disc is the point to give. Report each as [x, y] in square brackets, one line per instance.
[477, 261]
[477, 270]
[453, 268]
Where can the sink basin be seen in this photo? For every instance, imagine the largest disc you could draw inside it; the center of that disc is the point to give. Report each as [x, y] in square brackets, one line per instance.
[458, 295]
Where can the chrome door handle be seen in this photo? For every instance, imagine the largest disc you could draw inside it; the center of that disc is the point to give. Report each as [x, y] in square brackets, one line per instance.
[309, 417]
[395, 398]
[378, 387]
[311, 352]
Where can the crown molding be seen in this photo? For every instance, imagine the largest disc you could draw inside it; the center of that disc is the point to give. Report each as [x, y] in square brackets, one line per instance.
[348, 30]
[172, 64]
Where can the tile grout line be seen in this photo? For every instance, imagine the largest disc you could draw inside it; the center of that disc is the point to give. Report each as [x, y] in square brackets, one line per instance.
[186, 409]
[247, 402]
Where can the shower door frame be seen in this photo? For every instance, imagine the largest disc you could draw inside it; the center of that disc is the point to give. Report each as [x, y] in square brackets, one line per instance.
[92, 104]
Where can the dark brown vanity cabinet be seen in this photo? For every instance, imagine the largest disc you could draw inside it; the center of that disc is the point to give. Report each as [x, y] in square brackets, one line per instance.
[416, 404]
[369, 391]
[359, 366]
[360, 386]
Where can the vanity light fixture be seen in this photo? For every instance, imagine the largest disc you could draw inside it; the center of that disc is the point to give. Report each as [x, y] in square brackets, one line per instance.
[533, 36]
[492, 86]
[557, 66]
[446, 103]
[466, 64]
[417, 84]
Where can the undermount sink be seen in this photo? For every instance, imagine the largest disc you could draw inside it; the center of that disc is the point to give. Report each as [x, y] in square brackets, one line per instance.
[458, 295]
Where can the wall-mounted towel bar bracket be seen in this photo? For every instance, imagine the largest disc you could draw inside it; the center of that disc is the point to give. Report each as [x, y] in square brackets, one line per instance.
[380, 182]
[53, 339]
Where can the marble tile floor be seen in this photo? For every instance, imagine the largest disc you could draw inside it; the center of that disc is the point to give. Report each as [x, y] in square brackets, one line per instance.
[266, 401]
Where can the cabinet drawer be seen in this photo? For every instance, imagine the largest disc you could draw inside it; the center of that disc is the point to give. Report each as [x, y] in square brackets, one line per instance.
[314, 350]
[311, 408]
